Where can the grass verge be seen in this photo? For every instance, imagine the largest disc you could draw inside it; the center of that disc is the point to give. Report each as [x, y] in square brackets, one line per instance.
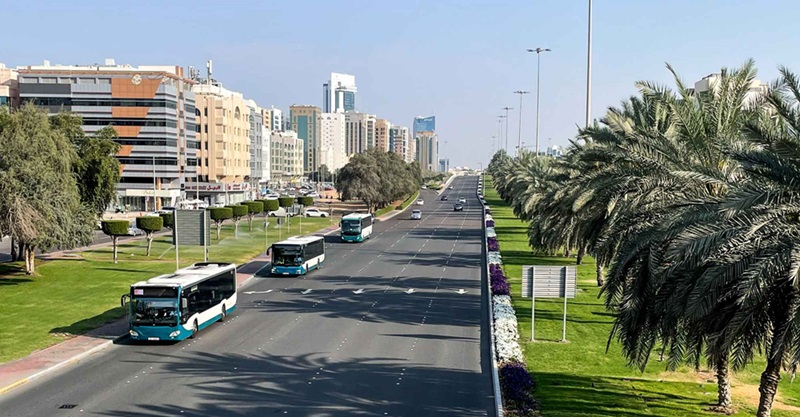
[70, 297]
[579, 378]
[392, 207]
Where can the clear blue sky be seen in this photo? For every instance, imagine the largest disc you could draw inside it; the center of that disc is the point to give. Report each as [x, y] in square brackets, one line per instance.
[458, 59]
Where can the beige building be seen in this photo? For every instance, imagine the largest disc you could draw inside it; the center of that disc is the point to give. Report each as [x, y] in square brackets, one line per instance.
[332, 149]
[287, 157]
[9, 87]
[382, 133]
[223, 159]
[411, 150]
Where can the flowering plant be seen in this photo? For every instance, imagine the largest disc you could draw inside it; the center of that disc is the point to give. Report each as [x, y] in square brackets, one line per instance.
[516, 385]
[505, 330]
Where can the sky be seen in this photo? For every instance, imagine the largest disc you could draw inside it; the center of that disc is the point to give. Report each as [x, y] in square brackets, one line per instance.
[459, 60]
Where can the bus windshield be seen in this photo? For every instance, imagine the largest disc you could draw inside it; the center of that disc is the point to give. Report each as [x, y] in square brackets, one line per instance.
[351, 227]
[287, 256]
[155, 312]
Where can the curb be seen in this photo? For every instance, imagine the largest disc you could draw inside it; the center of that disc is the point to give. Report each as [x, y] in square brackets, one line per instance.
[61, 364]
[498, 396]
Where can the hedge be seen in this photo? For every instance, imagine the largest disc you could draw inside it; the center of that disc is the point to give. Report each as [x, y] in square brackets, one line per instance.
[115, 227]
[285, 201]
[150, 224]
[219, 214]
[270, 205]
[168, 222]
[238, 211]
[254, 207]
[305, 201]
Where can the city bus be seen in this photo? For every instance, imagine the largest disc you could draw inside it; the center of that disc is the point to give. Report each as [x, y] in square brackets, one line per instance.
[297, 255]
[356, 227]
[178, 305]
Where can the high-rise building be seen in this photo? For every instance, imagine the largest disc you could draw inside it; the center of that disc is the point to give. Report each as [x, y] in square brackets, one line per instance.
[223, 118]
[359, 132]
[304, 122]
[424, 124]
[382, 127]
[275, 119]
[259, 149]
[339, 93]
[428, 151]
[332, 152]
[399, 141]
[152, 109]
[411, 150]
[287, 157]
[9, 87]
[444, 164]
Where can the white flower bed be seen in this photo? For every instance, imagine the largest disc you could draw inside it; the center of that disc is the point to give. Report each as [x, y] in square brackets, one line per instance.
[489, 217]
[494, 257]
[505, 330]
[490, 232]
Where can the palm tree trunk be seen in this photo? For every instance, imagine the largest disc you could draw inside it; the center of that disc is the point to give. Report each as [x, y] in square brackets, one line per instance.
[599, 270]
[581, 253]
[724, 401]
[770, 377]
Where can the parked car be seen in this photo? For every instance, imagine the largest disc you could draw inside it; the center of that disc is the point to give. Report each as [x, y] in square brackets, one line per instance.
[416, 215]
[280, 212]
[313, 194]
[314, 212]
[133, 230]
[424, 187]
[458, 207]
[272, 196]
[462, 200]
[450, 187]
[444, 198]
[420, 202]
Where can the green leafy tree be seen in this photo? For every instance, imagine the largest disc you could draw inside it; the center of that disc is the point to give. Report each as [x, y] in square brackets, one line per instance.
[168, 220]
[253, 208]
[305, 201]
[269, 207]
[238, 211]
[219, 215]
[150, 225]
[96, 168]
[115, 229]
[286, 202]
[39, 197]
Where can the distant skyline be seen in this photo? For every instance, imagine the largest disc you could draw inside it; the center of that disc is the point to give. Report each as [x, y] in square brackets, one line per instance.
[459, 60]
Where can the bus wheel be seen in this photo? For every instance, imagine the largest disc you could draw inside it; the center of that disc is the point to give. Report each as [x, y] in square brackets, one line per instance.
[194, 330]
[224, 313]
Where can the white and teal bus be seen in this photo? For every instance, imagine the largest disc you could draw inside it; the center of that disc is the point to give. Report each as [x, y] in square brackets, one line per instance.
[298, 255]
[176, 306]
[356, 227]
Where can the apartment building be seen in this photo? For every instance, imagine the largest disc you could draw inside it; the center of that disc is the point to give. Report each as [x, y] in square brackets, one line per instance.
[151, 108]
[9, 87]
[398, 142]
[382, 128]
[332, 152]
[223, 124]
[287, 157]
[359, 132]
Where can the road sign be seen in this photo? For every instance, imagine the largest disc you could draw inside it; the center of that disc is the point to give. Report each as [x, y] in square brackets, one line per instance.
[191, 224]
[549, 281]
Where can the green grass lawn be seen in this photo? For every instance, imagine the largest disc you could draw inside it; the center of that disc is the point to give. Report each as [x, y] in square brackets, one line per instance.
[70, 297]
[392, 207]
[579, 378]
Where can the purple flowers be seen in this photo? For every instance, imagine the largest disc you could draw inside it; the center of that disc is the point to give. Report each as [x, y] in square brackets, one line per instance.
[493, 246]
[516, 384]
[498, 281]
[489, 223]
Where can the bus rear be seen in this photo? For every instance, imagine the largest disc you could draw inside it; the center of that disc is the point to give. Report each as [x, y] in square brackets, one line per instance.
[356, 227]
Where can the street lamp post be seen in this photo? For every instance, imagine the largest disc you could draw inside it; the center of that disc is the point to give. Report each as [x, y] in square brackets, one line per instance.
[500, 131]
[589, 68]
[538, 73]
[519, 138]
[506, 116]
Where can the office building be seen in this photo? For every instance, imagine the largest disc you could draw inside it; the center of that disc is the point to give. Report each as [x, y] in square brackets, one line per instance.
[424, 124]
[152, 110]
[398, 142]
[259, 149]
[411, 150]
[223, 120]
[444, 164]
[274, 119]
[339, 93]
[305, 123]
[428, 151]
[382, 128]
[287, 157]
[359, 132]
[9, 87]
[332, 152]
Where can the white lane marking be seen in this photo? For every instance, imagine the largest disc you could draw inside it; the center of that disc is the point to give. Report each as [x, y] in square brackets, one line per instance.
[258, 292]
[410, 291]
[461, 291]
[359, 291]
[308, 291]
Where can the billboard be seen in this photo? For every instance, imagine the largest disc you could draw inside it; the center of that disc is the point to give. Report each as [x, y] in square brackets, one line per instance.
[424, 124]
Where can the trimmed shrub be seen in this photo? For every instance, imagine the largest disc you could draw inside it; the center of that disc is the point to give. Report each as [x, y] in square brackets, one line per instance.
[516, 385]
[115, 229]
[150, 225]
[253, 208]
[271, 205]
[219, 215]
[285, 201]
[168, 220]
[305, 201]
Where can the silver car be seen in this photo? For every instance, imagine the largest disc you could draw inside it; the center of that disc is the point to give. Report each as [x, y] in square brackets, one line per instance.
[416, 215]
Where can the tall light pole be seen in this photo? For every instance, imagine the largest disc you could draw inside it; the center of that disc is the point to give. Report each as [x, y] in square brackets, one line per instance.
[500, 130]
[506, 116]
[538, 73]
[519, 138]
[589, 68]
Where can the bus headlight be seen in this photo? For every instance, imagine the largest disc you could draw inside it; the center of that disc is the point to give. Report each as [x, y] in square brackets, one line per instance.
[175, 333]
[133, 333]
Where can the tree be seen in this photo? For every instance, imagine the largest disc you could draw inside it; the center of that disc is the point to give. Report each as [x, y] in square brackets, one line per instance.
[40, 203]
[150, 225]
[377, 178]
[305, 201]
[253, 208]
[238, 211]
[285, 202]
[115, 229]
[269, 206]
[96, 168]
[168, 219]
[219, 215]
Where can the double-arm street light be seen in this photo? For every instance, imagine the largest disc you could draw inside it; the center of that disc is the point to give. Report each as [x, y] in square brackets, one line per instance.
[538, 73]
[506, 117]
[519, 138]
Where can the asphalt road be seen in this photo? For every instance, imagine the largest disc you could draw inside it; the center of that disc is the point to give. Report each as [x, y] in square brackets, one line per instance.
[386, 351]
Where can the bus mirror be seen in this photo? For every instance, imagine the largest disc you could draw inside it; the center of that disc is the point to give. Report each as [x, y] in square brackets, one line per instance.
[124, 299]
[184, 303]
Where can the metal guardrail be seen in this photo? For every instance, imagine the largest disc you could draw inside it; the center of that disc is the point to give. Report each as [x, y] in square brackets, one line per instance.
[498, 398]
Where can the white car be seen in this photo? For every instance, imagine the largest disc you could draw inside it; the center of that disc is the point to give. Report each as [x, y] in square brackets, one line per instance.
[280, 212]
[420, 202]
[462, 200]
[271, 196]
[416, 215]
[314, 212]
[313, 194]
